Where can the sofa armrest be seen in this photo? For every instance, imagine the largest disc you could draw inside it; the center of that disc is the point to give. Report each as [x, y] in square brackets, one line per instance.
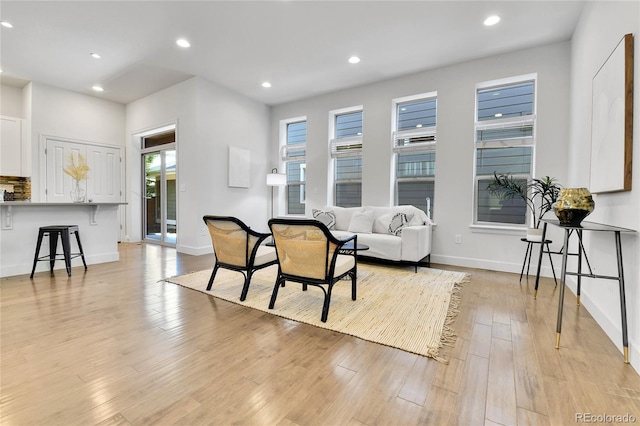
[416, 242]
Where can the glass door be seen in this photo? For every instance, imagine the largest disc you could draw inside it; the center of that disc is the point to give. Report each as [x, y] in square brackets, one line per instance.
[159, 215]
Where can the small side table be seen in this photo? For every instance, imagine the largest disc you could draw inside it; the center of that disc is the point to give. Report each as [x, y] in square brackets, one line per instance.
[529, 254]
[578, 230]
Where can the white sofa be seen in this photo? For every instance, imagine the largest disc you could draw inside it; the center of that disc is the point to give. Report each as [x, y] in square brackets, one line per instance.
[398, 233]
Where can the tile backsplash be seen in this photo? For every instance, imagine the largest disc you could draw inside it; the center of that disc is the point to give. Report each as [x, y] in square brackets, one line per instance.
[16, 188]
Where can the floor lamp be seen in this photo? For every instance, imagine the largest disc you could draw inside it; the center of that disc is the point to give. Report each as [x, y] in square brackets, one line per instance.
[275, 179]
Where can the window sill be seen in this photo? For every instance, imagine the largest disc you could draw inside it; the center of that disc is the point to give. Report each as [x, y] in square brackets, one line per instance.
[498, 229]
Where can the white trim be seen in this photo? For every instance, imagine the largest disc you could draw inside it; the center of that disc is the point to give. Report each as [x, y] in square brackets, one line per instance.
[528, 141]
[506, 81]
[415, 147]
[148, 131]
[283, 149]
[331, 178]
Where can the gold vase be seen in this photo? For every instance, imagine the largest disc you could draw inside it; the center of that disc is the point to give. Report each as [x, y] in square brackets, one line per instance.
[573, 205]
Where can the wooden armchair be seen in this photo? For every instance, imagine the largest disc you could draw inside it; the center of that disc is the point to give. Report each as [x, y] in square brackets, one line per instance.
[238, 248]
[309, 254]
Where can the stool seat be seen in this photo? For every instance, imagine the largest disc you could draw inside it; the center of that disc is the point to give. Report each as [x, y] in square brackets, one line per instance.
[53, 231]
[529, 253]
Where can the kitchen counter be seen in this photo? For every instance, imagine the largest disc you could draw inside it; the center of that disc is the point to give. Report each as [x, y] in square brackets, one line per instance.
[20, 221]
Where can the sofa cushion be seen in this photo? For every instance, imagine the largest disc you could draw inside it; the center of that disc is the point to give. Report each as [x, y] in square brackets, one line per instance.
[326, 216]
[381, 223]
[361, 222]
[381, 246]
[343, 216]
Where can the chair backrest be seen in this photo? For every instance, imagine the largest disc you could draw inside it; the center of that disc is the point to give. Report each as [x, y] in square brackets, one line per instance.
[304, 247]
[232, 242]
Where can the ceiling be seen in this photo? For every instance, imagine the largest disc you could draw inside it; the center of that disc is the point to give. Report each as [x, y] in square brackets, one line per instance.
[301, 47]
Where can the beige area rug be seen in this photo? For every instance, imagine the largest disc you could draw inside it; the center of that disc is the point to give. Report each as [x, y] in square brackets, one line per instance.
[395, 306]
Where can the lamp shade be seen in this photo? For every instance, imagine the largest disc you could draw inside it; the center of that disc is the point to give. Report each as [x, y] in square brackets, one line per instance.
[276, 179]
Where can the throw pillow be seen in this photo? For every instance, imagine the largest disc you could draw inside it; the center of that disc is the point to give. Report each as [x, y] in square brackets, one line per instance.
[381, 224]
[361, 222]
[399, 221]
[325, 216]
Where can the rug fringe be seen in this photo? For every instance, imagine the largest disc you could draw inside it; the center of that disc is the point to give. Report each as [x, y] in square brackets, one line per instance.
[449, 336]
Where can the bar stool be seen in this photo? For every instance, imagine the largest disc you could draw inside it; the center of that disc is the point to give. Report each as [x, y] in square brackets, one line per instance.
[54, 231]
[529, 254]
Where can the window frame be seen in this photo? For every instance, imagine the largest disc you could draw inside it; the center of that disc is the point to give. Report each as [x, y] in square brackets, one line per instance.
[339, 148]
[528, 141]
[416, 147]
[285, 156]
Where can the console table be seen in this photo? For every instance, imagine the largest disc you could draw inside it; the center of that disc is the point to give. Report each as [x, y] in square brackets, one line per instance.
[570, 230]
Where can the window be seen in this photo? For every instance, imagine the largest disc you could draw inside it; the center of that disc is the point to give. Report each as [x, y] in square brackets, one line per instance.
[346, 152]
[504, 143]
[414, 145]
[293, 154]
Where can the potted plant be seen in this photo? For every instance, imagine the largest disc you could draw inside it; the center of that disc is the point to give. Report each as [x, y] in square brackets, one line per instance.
[538, 195]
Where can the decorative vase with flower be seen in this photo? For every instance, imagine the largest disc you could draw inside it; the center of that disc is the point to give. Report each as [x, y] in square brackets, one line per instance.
[78, 170]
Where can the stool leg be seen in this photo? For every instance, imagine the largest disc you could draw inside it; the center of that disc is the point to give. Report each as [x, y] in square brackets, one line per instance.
[35, 258]
[526, 255]
[530, 256]
[66, 249]
[81, 251]
[53, 248]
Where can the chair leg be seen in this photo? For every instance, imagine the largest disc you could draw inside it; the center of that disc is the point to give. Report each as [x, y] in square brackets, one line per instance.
[274, 295]
[325, 305]
[245, 287]
[213, 275]
[354, 277]
[35, 258]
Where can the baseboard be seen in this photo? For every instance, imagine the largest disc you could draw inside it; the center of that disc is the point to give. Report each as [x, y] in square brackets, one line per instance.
[194, 251]
[25, 268]
[612, 330]
[491, 265]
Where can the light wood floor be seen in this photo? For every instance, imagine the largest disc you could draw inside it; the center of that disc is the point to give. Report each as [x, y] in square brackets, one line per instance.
[116, 347]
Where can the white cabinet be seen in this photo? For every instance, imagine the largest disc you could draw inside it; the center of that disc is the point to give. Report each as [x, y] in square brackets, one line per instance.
[104, 180]
[13, 155]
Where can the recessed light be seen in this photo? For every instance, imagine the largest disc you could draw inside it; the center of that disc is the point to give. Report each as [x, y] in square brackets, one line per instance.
[492, 20]
[6, 24]
[97, 88]
[183, 43]
[354, 60]
[95, 55]
[266, 84]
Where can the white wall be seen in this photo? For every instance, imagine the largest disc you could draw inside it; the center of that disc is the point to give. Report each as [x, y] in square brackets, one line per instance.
[209, 118]
[455, 85]
[70, 115]
[599, 30]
